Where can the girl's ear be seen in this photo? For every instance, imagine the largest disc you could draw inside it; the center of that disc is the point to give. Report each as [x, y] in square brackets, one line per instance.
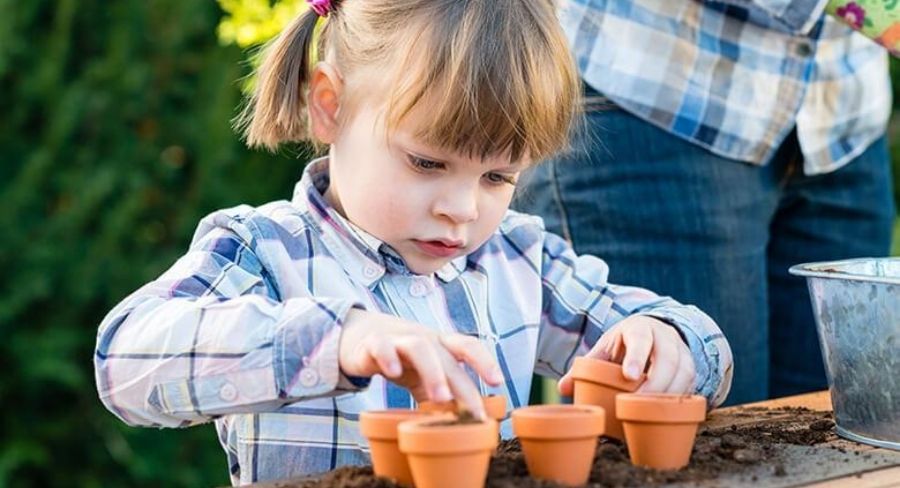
[325, 88]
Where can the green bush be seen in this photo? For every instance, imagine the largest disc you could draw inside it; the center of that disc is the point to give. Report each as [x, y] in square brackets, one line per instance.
[114, 142]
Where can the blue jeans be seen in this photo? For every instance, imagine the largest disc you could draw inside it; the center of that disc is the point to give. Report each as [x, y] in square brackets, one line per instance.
[673, 217]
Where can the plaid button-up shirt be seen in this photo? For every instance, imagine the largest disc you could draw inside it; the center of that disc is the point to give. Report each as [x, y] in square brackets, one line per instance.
[244, 328]
[735, 76]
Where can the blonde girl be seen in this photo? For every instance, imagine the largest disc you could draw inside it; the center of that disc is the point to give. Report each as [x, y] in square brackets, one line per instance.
[397, 272]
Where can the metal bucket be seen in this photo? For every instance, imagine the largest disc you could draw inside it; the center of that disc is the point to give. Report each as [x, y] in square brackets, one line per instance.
[856, 303]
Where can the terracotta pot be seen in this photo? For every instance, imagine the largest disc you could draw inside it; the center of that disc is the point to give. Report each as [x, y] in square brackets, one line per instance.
[380, 428]
[559, 441]
[597, 382]
[660, 428]
[443, 453]
[494, 405]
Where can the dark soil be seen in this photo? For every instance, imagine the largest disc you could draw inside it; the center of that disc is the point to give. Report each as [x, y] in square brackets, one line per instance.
[717, 451]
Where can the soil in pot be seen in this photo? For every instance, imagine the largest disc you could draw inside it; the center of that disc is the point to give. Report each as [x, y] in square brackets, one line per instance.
[494, 406]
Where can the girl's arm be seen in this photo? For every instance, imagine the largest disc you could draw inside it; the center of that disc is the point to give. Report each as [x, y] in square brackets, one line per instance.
[580, 305]
[211, 336]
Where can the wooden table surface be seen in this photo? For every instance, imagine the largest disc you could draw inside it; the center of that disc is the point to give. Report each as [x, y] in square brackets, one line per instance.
[873, 467]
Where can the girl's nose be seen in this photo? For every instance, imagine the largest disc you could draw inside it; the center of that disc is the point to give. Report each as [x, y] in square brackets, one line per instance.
[459, 205]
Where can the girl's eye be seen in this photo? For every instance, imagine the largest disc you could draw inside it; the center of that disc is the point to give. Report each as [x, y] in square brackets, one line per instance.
[500, 179]
[425, 164]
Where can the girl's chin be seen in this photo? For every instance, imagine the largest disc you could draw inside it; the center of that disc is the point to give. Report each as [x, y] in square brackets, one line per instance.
[425, 267]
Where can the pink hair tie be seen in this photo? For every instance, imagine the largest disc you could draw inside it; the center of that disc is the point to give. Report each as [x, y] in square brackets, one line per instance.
[321, 7]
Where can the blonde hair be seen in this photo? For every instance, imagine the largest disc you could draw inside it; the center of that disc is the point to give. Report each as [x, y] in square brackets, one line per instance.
[497, 75]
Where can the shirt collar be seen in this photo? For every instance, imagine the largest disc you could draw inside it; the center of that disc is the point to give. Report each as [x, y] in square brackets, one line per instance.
[362, 255]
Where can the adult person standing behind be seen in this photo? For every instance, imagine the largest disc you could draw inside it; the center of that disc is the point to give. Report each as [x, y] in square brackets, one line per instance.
[725, 141]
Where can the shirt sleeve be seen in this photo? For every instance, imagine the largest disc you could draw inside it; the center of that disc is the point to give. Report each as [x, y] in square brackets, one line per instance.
[794, 16]
[580, 305]
[211, 336]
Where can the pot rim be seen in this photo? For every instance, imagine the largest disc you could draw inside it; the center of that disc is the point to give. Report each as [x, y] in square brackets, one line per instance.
[559, 421]
[419, 436]
[382, 424]
[605, 373]
[664, 408]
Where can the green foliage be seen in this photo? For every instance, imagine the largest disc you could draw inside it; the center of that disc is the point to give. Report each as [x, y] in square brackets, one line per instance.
[115, 140]
[253, 22]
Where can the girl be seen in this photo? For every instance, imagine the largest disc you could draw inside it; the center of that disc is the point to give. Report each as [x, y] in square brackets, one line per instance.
[397, 258]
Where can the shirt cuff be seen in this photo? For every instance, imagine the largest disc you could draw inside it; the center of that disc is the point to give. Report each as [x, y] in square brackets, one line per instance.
[306, 351]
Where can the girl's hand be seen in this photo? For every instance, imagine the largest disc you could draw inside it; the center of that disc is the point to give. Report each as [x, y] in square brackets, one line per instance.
[417, 358]
[634, 341]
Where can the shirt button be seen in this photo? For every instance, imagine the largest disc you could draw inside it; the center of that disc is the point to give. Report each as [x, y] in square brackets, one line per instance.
[417, 289]
[309, 377]
[228, 392]
[370, 271]
[804, 49]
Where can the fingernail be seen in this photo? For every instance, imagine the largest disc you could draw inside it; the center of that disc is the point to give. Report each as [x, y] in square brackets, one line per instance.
[393, 369]
[496, 375]
[632, 372]
[442, 394]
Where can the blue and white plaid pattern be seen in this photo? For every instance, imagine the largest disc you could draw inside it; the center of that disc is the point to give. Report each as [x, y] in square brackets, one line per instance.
[735, 76]
[244, 328]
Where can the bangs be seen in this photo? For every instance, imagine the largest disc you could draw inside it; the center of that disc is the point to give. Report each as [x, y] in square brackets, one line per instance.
[478, 93]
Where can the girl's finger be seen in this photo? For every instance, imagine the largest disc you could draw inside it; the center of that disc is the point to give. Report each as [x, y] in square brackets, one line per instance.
[638, 343]
[469, 350]
[421, 355]
[385, 356]
[684, 377]
[664, 364]
[464, 390]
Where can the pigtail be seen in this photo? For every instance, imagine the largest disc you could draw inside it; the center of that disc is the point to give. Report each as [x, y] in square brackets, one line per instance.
[276, 111]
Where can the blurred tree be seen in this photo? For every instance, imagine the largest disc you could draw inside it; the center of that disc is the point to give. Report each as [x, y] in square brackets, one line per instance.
[115, 140]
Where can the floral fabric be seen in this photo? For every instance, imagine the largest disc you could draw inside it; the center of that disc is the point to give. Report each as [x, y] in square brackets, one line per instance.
[877, 19]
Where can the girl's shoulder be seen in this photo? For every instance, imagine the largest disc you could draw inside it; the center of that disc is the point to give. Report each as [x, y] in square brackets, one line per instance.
[271, 221]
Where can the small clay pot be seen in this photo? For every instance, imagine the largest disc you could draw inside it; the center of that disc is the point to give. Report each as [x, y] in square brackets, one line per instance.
[380, 428]
[597, 382]
[660, 428]
[447, 452]
[494, 405]
[559, 441]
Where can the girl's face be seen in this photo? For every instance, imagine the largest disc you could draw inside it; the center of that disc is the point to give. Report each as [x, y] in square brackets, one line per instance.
[429, 205]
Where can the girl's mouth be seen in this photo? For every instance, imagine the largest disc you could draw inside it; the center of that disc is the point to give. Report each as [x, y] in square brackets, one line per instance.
[438, 249]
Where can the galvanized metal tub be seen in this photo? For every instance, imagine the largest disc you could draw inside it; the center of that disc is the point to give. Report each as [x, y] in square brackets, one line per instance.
[856, 303]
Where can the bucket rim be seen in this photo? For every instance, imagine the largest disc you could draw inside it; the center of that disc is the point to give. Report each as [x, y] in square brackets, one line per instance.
[818, 270]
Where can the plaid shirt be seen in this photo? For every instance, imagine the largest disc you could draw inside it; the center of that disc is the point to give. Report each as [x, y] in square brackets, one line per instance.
[244, 328]
[735, 76]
